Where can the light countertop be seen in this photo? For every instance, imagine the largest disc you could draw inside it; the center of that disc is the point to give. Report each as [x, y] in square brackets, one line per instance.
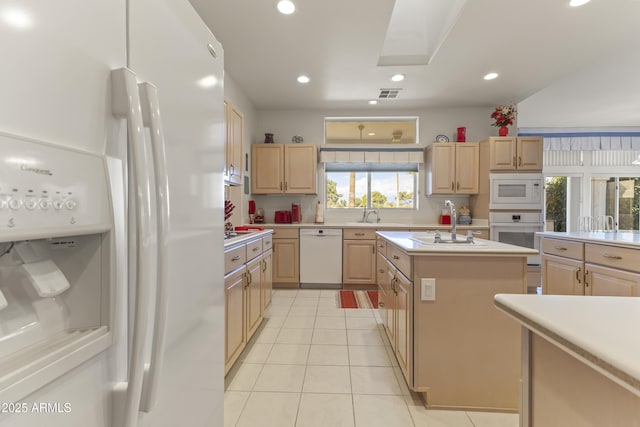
[620, 238]
[244, 237]
[601, 331]
[479, 225]
[422, 242]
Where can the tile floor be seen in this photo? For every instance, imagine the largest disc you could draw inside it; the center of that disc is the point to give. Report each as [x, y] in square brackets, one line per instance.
[312, 364]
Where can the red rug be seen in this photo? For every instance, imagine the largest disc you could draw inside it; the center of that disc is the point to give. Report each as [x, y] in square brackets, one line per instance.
[358, 299]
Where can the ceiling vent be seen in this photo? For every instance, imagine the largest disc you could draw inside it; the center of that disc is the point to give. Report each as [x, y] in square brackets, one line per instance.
[389, 93]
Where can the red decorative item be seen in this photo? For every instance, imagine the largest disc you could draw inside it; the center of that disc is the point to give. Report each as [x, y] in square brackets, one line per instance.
[503, 131]
[462, 134]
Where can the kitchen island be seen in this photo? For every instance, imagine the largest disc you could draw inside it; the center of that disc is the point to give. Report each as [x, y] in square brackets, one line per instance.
[436, 303]
[580, 361]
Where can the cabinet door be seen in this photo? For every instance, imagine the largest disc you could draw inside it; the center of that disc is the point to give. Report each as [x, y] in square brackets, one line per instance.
[391, 303]
[235, 338]
[502, 153]
[441, 168]
[267, 163]
[286, 260]
[611, 282]
[403, 319]
[562, 276]
[359, 262]
[384, 292]
[300, 163]
[234, 136]
[266, 279]
[529, 150]
[467, 168]
[227, 148]
[253, 291]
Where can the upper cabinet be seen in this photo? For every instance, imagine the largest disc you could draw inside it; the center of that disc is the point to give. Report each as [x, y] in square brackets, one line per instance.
[515, 153]
[283, 168]
[452, 168]
[233, 145]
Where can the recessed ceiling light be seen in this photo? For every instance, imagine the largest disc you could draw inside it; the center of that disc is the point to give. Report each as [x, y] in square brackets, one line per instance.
[371, 134]
[491, 76]
[397, 77]
[373, 102]
[576, 3]
[286, 7]
[303, 79]
[207, 82]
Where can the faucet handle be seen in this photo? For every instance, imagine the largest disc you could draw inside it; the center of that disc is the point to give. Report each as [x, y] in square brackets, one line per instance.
[469, 236]
[437, 237]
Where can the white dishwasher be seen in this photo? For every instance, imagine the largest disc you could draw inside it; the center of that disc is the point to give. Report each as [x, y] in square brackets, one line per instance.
[321, 258]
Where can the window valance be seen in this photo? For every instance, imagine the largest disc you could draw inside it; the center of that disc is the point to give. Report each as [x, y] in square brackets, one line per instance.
[586, 139]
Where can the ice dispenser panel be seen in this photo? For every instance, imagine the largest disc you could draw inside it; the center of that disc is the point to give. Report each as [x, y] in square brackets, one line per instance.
[56, 269]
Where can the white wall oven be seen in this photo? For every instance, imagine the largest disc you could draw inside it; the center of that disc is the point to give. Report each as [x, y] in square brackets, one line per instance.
[518, 228]
[511, 191]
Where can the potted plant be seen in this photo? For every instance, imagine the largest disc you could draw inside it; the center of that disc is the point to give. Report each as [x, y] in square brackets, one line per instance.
[504, 116]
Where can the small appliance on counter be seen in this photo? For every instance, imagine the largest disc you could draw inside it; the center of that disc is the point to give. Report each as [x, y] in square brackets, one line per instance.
[259, 218]
[282, 217]
[296, 214]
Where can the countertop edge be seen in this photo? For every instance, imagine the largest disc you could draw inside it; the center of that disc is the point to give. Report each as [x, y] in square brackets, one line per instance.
[244, 238]
[601, 361]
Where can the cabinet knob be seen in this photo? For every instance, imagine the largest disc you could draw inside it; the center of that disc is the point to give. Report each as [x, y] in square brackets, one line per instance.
[452, 186]
[380, 304]
[578, 274]
[560, 248]
[235, 258]
[606, 255]
[519, 160]
[359, 234]
[396, 257]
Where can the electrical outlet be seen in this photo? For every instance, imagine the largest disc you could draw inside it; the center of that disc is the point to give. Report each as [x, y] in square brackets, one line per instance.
[428, 289]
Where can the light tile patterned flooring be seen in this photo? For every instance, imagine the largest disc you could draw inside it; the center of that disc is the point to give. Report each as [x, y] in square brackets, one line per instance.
[312, 364]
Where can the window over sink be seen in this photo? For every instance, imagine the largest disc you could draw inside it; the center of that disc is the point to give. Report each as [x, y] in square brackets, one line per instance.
[371, 189]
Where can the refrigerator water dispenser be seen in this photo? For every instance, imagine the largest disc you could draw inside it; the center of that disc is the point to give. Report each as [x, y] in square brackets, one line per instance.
[56, 268]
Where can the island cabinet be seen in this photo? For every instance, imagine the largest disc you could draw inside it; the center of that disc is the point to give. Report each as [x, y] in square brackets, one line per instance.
[452, 168]
[575, 267]
[359, 256]
[450, 342]
[286, 258]
[396, 294]
[246, 288]
[266, 273]
[511, 153]
[283, 168]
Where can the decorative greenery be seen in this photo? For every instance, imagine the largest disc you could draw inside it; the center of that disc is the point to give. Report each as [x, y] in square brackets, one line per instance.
[504, 115]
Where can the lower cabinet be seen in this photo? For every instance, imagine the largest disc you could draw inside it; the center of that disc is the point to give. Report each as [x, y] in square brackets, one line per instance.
[286, 258]
[397, 291]
[359, 257]
[247, 295]
[573, 267]
[266, 279]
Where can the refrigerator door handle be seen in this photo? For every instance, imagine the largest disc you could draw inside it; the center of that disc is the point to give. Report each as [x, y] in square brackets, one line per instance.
[126, 104]
[152, 119]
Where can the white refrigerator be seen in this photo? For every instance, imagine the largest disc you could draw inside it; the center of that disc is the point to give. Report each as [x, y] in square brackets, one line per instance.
[56, 83]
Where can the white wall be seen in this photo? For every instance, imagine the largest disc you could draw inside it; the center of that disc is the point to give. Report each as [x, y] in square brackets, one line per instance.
[284, 124]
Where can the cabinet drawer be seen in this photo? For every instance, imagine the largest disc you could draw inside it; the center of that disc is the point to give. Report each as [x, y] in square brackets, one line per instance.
[400, 259]
[359, 233]
[381, 247]
[563, 248]
[285, 233]
[234, 258]
[267, 243]
[612, 256]
[254, 249]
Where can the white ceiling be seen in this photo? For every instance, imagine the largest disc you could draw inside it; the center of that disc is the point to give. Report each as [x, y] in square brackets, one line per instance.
[532, 44]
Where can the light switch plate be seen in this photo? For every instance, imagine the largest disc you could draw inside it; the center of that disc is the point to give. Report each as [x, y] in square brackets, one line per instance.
[428, 289]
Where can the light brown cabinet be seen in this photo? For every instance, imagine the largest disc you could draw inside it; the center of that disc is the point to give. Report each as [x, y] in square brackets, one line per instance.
[359, 257]
[286, 258]
[397, 312]
[233, 144]
[452, 168]
[247, 286]
[283, 168]
[572, 267]
[515, 153]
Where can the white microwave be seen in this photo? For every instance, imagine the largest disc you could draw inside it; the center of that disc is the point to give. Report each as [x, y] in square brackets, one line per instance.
[516, 191]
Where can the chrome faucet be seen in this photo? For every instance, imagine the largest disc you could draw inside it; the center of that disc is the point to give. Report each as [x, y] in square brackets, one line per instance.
[454, 218]
[367, 212]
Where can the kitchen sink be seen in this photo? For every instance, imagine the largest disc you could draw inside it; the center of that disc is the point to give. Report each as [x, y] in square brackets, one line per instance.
[431, 241]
